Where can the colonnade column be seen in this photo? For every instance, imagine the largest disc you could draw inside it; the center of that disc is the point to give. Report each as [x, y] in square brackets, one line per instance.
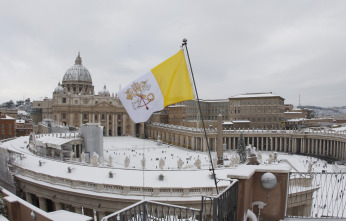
[271, 143]
[78, 210]
[42, 203]
[28, 197]
[58, 206]
[101, 214]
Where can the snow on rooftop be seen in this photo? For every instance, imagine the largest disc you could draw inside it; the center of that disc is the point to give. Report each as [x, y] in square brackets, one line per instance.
[255, 95]
[7, 118]
[134, 175]
[227, 123]
[54, 140]
[22, 112]
[67, 215]
[241, 121]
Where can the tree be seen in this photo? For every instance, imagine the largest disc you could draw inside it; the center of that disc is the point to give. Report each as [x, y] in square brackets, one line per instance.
[241, 149]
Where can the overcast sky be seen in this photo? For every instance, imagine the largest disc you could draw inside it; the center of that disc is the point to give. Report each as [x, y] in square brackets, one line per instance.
[286, 47]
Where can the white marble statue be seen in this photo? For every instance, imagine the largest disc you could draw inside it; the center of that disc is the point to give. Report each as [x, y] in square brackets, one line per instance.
[198, 163]
[82, 157]
[180, 163]
[161, 163]
[127, 162]
[110, 160]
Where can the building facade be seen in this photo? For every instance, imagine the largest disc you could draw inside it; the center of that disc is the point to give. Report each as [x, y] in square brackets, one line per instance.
[74, 103]
[7, 126]
[263, 110]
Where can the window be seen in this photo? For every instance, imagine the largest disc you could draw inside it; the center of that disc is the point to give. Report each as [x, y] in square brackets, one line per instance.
[85, 116]
[64, 116]
[103, 116]
[96, 102]
[64, 99]
[2, 125]
[76, 102]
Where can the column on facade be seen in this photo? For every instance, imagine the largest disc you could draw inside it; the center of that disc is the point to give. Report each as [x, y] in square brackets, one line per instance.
[333, 148]
[204, 144]
[319, 147]
[124, 117]
[28, 197]
[42, 203]
[338, 149]
[113, 124]
[101, 214]
[58, 206]
[262, 143]
[78, 209]
[80, 118]
[193, 143]
[308, 146]
[107, 125]
[271, 143]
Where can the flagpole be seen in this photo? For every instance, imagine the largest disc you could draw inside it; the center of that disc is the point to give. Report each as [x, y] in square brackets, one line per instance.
[200, 111]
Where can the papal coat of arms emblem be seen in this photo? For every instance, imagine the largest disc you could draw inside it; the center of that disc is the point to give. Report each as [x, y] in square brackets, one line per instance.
[139, 94]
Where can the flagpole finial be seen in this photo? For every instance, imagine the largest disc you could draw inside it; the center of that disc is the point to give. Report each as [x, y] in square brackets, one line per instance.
[184, 41]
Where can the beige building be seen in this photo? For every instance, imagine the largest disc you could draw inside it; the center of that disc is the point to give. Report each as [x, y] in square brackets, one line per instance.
[263, 110]
[252, 110]
[75, 103]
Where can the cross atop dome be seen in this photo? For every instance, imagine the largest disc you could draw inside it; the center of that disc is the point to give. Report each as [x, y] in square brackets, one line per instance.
[78, 59]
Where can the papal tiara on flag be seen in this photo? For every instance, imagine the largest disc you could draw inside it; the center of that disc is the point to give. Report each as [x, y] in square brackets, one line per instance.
[166, 84]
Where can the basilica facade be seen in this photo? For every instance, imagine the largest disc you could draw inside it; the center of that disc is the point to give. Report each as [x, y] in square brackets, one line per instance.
[75, 103]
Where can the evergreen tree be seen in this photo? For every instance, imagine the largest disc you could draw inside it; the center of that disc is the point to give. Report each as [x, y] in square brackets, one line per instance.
[241, 149]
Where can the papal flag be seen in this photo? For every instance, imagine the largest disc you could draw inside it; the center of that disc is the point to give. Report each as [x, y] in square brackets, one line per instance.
[166, 84]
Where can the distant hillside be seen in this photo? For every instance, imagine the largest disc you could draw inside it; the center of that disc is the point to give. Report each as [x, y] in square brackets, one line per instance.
[326, 111]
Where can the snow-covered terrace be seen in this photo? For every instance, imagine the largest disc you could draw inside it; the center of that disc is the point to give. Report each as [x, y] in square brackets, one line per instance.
[134, 181]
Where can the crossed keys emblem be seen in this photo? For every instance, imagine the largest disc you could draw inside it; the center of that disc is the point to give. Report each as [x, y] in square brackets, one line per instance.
[136, 93]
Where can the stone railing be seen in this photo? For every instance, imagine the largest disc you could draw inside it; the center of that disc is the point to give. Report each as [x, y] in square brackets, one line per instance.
[118, 189]
[250, 131]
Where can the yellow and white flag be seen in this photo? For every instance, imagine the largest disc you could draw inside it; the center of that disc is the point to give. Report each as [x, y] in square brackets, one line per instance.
[166, 84]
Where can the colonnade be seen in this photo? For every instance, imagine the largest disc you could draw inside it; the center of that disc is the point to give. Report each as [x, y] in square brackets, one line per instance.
[327, 144]
[50, 205]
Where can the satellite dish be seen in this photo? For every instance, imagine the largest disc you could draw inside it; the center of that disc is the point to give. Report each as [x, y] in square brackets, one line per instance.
[268, 181]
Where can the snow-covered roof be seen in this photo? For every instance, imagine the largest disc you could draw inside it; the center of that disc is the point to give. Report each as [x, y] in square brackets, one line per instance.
[54, 142]
[7, 118]
[227, 123]
[67, 215]
[241, 121]
[296, 120]
[255, 95]
[22, 112]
